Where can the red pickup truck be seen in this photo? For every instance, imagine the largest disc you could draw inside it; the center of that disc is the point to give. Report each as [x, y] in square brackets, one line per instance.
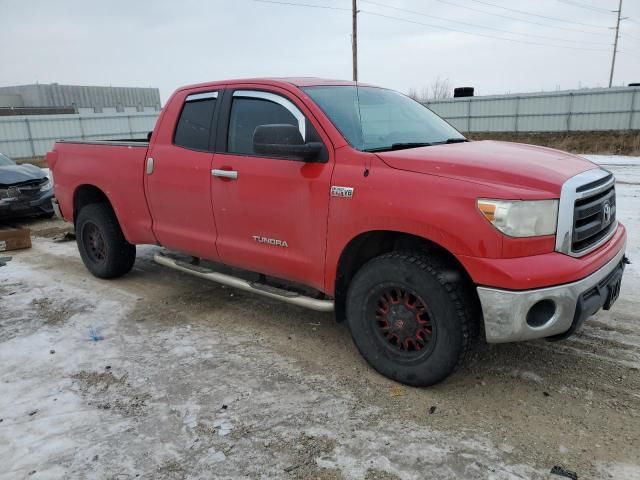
[345, 197]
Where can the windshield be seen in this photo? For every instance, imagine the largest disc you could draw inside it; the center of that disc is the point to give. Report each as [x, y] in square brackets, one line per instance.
[5, 161]
[377, 119]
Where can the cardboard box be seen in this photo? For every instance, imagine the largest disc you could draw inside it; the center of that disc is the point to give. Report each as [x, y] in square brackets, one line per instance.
[14, 238]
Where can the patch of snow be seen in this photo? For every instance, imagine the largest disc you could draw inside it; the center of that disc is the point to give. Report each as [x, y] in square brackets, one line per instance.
[620, 471]
[223, 426]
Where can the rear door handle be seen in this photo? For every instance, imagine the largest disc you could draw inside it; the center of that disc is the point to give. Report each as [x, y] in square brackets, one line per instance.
[231, 174]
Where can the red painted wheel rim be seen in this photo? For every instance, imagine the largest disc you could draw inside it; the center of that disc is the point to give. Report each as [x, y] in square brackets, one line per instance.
[403, 322]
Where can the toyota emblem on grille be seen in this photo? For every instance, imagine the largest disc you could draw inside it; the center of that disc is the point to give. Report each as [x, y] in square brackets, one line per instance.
[606, 211]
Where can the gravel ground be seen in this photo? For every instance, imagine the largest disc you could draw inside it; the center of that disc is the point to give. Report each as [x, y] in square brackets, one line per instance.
[159, 375]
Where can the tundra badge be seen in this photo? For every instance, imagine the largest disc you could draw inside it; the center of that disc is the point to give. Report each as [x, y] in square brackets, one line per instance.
[271, 241]
[345, 192]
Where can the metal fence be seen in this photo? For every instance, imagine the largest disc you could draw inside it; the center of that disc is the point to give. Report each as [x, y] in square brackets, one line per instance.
[563, 111]
[33, 135]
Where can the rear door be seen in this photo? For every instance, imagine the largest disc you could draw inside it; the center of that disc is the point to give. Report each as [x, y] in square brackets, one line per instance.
[271, 212]
[178, 178]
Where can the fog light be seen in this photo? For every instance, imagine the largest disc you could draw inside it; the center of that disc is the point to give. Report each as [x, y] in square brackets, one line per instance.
[540, 313]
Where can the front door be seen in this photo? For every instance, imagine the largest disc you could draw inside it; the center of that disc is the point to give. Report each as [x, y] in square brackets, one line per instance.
[179, 179]
[271, 212]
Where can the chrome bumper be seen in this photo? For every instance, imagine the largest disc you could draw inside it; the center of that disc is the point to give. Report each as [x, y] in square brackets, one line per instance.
[56, 208]
[505, 311]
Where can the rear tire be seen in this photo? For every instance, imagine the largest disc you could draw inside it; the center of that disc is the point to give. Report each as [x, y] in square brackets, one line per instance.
[103, 248]
[411, 317]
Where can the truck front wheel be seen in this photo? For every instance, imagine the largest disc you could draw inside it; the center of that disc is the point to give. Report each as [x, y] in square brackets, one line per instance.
[103, 248]
[409, 317]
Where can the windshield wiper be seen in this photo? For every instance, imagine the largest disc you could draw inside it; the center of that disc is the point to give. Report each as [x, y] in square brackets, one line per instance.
[454, 140]
[399, 146]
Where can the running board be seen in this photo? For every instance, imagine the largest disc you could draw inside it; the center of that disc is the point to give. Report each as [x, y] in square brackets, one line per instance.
[287, 296]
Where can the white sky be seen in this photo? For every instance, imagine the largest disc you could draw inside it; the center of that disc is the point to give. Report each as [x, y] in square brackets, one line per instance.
[166, 44]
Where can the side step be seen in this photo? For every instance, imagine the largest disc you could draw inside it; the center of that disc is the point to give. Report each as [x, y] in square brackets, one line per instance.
[260, 288]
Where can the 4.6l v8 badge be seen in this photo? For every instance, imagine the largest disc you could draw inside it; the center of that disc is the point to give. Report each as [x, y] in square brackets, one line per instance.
[345, 192]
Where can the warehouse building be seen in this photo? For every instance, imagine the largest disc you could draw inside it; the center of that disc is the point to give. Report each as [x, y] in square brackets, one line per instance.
[38, 99]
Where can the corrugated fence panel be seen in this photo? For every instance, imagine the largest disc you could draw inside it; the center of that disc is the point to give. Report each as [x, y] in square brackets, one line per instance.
[573, 110]
[16, 149]
[541, 123]
[600, 121]
[449, 109]
[495, 107]
[615, 101]
[544, 105]
[34, 135]
[491, 124]
[143, 123]
[13, 128]
[100, 127]
[58, 126]
[460, 124]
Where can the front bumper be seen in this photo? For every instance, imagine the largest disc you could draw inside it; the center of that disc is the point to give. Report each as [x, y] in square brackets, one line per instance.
[27, 207]
[505, 312]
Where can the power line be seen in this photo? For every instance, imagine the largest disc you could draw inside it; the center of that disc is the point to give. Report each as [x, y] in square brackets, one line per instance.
[367, 12]
[509, 17]
[625, 35]
[414, 12]
[478, 34]
[523, 12]
[291, 4]
[587, 7]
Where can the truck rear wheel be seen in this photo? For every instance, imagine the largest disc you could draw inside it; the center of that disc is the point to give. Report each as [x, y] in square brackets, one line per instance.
[409, 317]
[103, 248]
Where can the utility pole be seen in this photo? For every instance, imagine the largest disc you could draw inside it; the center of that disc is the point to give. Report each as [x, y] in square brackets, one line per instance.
[354, 38]
[615, 44]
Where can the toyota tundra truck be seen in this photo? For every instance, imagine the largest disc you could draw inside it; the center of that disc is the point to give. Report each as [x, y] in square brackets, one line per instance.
[348, 198]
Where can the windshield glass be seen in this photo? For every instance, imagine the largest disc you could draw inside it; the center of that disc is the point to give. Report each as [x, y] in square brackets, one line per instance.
[376, 119]
[5, 161]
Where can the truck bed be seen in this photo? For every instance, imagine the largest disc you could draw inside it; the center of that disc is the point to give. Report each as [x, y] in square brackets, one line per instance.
[116, 168]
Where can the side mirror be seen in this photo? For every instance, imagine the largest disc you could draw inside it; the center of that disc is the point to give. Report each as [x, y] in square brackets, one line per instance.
[284, 140]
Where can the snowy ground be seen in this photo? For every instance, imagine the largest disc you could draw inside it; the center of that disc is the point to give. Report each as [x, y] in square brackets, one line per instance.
[193, 380]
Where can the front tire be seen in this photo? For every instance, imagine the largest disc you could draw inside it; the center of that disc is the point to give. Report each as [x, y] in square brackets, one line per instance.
[410, 317]
[103, 248]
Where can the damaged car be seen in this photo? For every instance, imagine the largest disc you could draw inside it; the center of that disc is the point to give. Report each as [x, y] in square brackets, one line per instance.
[25, 190]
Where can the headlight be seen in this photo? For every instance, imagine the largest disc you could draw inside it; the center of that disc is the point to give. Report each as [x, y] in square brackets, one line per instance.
[519, 218]
[46, 186]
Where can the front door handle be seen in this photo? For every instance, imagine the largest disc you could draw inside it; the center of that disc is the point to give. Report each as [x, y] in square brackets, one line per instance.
[149, 166]
[231, 174]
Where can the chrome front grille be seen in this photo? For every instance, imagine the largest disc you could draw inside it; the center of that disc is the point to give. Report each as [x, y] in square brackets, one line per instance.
[593, 218]
[587, 212]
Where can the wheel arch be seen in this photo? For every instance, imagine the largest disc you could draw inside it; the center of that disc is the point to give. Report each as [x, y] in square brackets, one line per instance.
[86, 194]
[368, 245]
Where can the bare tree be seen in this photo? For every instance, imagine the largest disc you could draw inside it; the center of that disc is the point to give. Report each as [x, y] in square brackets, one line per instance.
[439, 88]
[413, 93]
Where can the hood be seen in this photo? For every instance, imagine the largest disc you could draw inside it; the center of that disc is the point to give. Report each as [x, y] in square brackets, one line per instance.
[14, 174]
[489, 162]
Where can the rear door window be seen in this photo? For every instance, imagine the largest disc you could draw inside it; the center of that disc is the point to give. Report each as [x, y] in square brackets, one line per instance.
[194, 126]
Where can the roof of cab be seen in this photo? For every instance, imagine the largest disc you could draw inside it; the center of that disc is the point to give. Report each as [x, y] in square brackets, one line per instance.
[283, 81]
